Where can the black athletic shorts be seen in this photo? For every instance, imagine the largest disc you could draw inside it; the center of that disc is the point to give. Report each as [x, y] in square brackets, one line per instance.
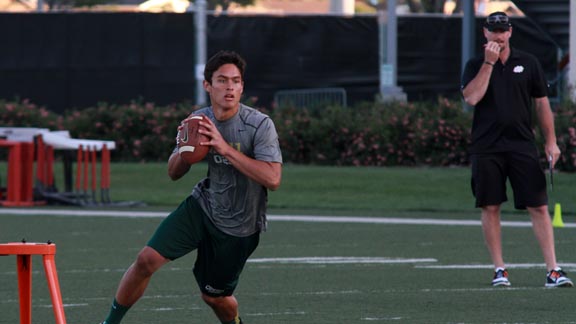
[221, 257]
[491, 170]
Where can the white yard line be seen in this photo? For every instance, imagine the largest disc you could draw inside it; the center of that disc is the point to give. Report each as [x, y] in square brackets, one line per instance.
[339, 260]
[284, 218]
[490, 266]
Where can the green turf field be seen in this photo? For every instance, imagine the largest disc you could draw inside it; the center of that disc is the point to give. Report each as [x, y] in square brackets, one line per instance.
[339, 273]
[326, 190]
[309, 271]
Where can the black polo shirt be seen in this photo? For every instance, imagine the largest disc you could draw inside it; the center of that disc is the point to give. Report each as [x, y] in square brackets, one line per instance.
[503, 117]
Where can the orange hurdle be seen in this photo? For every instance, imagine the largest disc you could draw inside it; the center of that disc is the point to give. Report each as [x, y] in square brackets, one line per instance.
[20, 171]
[24, 252]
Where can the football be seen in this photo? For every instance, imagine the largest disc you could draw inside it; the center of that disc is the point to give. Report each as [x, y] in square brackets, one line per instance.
[189, 140]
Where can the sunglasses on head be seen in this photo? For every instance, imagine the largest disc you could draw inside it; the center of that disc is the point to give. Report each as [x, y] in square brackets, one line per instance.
[497, 19]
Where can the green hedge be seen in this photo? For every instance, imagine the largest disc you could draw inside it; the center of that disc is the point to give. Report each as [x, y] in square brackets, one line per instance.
[565, 122]
[368, 134]
[142, 131]
[376, 134]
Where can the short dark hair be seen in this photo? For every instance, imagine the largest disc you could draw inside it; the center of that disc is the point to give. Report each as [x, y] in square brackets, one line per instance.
[221, 58]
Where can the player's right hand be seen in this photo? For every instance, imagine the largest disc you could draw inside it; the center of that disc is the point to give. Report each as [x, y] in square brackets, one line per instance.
[491, 52]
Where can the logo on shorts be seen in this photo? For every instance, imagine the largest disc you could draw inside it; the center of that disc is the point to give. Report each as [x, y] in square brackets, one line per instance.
[213, 290]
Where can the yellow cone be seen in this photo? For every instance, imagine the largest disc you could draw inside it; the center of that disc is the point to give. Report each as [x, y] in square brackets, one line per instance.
[557, 220]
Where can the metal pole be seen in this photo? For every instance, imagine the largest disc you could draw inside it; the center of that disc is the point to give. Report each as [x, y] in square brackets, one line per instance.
[392, 35]
[385, 78]
[468, 38]
[200, 20]
[468, 33]
[388, 35]
[572, 48]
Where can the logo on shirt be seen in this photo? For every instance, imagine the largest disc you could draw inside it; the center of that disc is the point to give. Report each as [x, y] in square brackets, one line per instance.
[219, 159]
[518, 69]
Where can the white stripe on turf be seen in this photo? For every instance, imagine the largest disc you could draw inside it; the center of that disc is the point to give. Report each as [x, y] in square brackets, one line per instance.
[286, 218]
[490, 266]
[339, 260]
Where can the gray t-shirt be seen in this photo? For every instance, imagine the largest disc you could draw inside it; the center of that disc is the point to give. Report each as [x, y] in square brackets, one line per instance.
[232, 201]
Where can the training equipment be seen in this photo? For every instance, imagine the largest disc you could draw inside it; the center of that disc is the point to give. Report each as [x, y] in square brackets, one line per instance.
[500, 278]
[31, 176]
[189, 140]
[557, 219]
[558, 278]
[24, 252]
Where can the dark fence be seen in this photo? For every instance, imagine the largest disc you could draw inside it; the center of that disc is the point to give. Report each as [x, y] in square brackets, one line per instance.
[76, 60]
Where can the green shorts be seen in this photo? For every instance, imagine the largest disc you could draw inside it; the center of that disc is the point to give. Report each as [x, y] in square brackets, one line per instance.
[221, 257]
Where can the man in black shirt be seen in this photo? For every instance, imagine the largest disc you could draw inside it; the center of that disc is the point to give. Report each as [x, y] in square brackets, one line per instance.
[502, 85]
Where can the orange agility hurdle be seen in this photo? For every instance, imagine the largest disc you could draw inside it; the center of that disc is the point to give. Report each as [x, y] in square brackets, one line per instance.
[24, 252]
[20, 171]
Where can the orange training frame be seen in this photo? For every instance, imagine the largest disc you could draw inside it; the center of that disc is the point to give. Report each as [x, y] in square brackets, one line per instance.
[24, 252]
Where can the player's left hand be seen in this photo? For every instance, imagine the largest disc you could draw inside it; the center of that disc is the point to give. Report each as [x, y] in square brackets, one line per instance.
[180, 127]
[178, 134]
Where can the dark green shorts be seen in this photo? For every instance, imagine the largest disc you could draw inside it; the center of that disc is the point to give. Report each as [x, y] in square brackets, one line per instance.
[221, 257]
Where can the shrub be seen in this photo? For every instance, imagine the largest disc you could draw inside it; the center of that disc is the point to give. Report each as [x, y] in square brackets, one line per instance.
[369, 134]
[565, 123]
[376, 134]
[142, 131]
[23, 113]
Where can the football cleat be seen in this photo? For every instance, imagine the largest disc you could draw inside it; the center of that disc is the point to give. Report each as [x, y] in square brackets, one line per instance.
[500, 278]
[558, 278]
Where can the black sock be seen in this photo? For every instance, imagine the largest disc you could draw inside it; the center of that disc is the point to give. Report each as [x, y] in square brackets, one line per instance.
[236, 320]
[117, 312]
